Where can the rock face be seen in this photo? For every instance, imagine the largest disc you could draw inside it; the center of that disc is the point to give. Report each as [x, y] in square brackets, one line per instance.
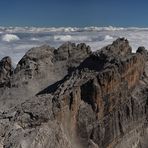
[6, 71]
[39, 68]
[100, 103]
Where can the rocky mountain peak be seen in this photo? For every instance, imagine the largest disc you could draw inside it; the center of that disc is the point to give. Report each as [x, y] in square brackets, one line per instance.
[33, 56]
[72, 98]
[119, 47]
[43, 66]
[71, 50]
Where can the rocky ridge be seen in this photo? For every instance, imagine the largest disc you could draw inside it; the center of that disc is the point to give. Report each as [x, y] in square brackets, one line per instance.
[83, 99]
[40, 67]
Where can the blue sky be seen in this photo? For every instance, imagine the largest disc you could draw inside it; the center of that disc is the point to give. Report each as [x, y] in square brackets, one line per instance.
[79, 13]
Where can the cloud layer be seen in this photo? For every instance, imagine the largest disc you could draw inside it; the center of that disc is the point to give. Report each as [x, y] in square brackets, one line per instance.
[15, 41]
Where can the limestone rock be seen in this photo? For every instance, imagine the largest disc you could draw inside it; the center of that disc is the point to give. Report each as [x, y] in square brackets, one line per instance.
[101, 102]
[6, 71]
[39, 68]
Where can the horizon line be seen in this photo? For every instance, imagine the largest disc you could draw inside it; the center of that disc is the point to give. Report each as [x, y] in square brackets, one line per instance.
[110, 26]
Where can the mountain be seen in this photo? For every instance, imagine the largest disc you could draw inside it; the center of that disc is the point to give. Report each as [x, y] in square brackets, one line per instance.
[71, 97]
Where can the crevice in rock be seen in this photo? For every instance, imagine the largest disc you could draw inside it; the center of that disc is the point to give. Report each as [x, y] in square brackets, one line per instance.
[127, 111]
[87, 93]
[71, 101]
[120, 125]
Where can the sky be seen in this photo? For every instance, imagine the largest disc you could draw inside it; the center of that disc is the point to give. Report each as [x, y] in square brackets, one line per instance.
[74, 13]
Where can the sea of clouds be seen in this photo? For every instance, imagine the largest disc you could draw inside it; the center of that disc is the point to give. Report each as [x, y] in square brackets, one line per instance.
[15, 41]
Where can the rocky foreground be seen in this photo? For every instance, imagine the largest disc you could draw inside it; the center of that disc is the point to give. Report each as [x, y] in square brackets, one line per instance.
[72, 98]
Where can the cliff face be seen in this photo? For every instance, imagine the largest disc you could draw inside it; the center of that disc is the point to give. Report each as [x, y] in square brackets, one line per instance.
[39, 68]
[6, 71]
[100, 103]
[107, 102]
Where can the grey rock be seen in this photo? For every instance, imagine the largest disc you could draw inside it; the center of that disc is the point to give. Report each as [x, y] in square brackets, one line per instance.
[98, 100]
[6, 70]
[39, 68]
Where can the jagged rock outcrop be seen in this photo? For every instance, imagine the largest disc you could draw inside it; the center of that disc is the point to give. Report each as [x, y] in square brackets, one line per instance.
[104, 105]
[101, 102]
[6, 71]
[40, 67]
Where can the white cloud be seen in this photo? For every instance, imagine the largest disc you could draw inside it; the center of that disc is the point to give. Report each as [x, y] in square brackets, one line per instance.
[108, 37]
[96, 37]
[64, 38]
[34, 39]
[66, 29]
[75, 38]
[10, 37]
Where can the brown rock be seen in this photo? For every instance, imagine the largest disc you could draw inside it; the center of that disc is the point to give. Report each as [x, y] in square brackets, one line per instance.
[102, 103]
